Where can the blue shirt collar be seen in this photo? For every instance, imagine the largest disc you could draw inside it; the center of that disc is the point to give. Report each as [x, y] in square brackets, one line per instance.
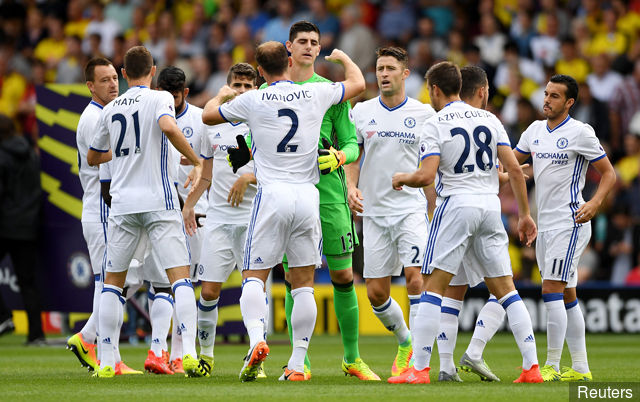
[559, 125]
[398, 106]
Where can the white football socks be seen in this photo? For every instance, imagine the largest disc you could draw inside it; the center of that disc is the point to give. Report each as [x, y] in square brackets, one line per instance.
[160, 316]
[254, 309]
[576, 337]
[176, 338]
[489, 320]
[110, 311]
[186, 314]
[303, 321]
[427, 325]
[556, 327]
[414, 304]
[520, 323]
[390, 315]
[207, 322]
[448, 333]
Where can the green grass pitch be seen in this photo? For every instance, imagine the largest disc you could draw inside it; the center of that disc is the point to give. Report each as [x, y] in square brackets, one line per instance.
[53, 373]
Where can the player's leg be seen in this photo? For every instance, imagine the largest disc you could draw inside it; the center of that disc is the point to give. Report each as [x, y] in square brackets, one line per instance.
[254, 310]
[575, 334]
[208, 319]
[160, 314]
[449, 311]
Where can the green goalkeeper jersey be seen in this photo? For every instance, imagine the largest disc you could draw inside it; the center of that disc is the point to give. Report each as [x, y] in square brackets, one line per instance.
[338, 128]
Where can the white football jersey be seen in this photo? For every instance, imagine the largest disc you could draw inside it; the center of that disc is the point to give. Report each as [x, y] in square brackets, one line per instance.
[285, 120]
[215, 143]
[142, 161]
[560, 160]
[391, 140]
[191, 125]
[93, 207]
[467, 141]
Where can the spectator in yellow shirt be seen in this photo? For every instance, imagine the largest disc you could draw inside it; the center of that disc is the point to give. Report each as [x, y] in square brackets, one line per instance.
[53, 48]
[612, 41]
[570, 63]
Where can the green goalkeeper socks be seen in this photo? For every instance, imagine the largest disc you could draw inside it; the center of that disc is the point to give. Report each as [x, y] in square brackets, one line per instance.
[345, 303]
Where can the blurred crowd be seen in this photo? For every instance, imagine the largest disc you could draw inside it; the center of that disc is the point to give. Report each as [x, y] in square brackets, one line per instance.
[520, 43]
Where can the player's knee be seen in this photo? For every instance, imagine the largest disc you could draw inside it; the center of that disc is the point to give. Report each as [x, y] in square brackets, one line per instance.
[414, 284]
[342, 276]
[210, 293]
[376, 295]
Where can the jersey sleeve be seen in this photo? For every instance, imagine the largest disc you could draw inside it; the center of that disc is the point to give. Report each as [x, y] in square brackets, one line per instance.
[100, 141]
[523, 144]
[353, 115]
[105, 172]
[206, 150]
[589, 146]
[237, 109]
[330, 92]
[164, 105]
[430, 139]
[502, 137]
[345, 131]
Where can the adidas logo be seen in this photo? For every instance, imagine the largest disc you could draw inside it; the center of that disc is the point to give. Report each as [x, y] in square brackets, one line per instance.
[203, 335]
[182, 328]
[156, 340]
[427, 349]
[480, 324]
[109, 264]
[535, 142]
[391, 328]
[443, 337]
[257, 261]
[529, 338]
[217, 135]
[305, 339]
[107, 341]
[372, 122]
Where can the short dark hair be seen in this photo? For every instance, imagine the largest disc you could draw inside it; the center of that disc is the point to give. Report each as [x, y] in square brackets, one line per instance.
[473, 77]
[172, 79]
[397, 53]
[138, 62]
[90, 68]
[446, 76]
[272, 57]
[302, 26]
[242, 70]
[569, 82]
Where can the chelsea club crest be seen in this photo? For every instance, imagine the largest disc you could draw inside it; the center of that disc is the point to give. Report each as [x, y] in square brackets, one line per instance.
[188, 132]
[410, 122]
[562, 143]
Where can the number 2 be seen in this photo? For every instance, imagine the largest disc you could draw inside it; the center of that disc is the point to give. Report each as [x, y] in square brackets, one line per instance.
[415, 259]
[282, 146]
[119, 117]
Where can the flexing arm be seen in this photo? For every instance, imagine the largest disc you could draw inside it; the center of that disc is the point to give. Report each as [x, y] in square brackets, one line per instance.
[354, 196]
[211, 113]
[526, 227]
[188, 211]
[354, 83]
[607, 181]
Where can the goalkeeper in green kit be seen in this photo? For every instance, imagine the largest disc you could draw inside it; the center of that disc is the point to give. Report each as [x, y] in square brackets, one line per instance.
[338, 232]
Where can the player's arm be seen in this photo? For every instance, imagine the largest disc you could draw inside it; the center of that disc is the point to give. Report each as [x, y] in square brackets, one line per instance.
[431, 196]
[354, 195]
[526, 226]
[211, 114]
[607, 181]
[188, 210]
[236, 193]
[423, 177]
[503, 177]
[354, 83]
[95, 156]
[346, 132]
[171, 130]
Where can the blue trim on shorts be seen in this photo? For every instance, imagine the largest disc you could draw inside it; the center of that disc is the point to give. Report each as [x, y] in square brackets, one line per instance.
[167, 298]
[450, 310]
[574, 187]
[207, 308]
[571, 305]
[384, 306]
[510, 301]
[433, 234]
[427, 298]
[550, 297]
[96, 277]
[252, 224]
[573, 242]
[183, 282]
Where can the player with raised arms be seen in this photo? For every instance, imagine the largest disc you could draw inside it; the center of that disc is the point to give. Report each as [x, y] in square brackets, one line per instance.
[228, 213]
[460, 145]
[285, 121]
[562, 149]
[136, 128]
[395, 223]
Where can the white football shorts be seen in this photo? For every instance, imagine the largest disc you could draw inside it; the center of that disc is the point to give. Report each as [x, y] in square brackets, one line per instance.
[558, 252]
[466, 237]
[393, 242]
[285, 218]
[222, 251]
[95, 234]
[166, 235]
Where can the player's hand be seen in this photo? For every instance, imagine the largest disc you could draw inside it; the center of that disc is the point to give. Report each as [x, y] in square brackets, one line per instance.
[226, 93]
[184, 161]
[195, 175]
[238, 157]
[236, 193]
[397, 181]
[336, 56]
[586, 211]
[354, 198]
[503, 177]
[527, 230]
[189, 217]
[329, 158]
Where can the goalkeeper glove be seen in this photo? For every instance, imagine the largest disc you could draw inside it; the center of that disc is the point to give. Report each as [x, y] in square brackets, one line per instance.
[329, 159]
[238, 157]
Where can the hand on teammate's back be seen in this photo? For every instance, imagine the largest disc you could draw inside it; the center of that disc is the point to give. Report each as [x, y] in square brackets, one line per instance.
[527, 230]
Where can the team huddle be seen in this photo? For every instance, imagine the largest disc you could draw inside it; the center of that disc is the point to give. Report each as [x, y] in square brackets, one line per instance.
[269, 176]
